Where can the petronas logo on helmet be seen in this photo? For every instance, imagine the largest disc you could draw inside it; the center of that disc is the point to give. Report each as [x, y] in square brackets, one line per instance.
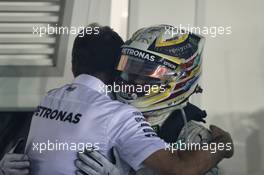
[138, 53]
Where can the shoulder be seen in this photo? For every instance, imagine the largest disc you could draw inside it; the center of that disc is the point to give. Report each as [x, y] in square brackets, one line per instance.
[120, 109]
[125, 116]
[55, 91]
[125, 109]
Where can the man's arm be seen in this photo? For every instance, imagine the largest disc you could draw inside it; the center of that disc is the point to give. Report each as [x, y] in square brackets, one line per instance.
[164, 162]
[190, 162]
[182, 162]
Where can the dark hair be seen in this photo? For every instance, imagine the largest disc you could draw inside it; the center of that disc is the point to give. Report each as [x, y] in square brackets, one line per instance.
[96, 52]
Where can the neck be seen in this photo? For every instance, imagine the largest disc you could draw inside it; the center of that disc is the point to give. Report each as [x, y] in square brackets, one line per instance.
[106, 78]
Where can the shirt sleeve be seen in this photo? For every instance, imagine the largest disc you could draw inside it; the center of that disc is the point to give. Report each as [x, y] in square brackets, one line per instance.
[133, 137]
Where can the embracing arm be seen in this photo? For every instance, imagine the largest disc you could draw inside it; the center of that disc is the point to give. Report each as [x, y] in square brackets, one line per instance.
[182, 162]
[190, 162]
[164, 162]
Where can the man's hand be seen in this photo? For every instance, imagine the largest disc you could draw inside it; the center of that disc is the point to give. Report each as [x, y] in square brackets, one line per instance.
[93, 163]
[14, 164]
[200, 161]
[193, 133]
[221, 136]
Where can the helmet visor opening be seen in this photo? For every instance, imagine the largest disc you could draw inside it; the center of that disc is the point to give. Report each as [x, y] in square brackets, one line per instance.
[134, 65]
[139, 79]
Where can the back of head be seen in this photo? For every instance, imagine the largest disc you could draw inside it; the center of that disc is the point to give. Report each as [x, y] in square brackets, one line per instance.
[96, 51]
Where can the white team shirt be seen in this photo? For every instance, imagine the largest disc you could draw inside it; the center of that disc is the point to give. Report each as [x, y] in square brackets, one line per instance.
[81, 113]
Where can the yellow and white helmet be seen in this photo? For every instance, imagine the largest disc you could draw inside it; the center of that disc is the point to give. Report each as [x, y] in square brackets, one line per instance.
[166, 61]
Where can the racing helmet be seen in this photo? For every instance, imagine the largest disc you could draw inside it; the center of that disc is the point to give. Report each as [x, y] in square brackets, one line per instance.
[160, 68]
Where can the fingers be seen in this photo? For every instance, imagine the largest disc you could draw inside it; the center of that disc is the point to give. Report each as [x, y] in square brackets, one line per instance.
[17, 157]
[221, 136]
[85, 168]
[89, 162]
[79, 173]
[98, 157]
[215, 128]
[17, 171]
[18, 165]
[14, 164]
[216, 131]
